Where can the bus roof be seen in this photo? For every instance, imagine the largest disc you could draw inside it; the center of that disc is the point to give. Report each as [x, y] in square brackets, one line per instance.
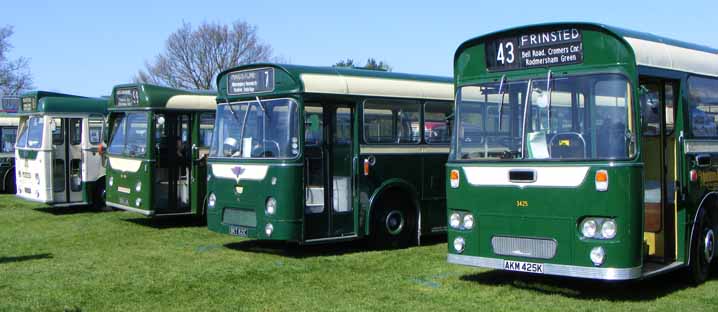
[148, 96]
[35, 102]
[650, 50]
[347, 81]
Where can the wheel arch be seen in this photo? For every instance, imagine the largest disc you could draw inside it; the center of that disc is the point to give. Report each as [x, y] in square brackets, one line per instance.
[389, 186]
[709, 202]
[9, 171]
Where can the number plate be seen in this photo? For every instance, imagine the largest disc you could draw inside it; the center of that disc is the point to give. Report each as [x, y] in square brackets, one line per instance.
[238, 231]
[520, 266]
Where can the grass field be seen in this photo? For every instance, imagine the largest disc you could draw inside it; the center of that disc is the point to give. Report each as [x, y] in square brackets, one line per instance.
[75, 259]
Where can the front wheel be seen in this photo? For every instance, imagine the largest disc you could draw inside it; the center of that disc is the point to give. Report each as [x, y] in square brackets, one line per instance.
[702, 249]
[394, 223]
[98, 199]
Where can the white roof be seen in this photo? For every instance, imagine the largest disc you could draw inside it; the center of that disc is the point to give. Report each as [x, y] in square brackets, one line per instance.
[375, 86]
[192, 102]
[666, 56]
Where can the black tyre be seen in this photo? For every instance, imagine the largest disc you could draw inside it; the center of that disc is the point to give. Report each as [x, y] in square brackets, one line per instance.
[394, 222]
[98, 199]
[702, 249]
[10, 183]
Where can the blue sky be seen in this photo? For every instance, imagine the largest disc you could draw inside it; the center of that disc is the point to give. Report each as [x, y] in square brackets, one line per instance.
[86, 47]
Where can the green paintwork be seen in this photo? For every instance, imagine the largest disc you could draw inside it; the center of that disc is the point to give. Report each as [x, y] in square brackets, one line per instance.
[52, 102]
[399, 171]
[555, 212]
[154, 202]
[151, 96]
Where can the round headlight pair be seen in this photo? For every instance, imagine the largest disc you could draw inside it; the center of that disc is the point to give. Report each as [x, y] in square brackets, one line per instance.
[590, 228]
[456, 221]
[271, 206]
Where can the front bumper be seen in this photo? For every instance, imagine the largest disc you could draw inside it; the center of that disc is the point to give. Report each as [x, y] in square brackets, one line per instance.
[609, 274]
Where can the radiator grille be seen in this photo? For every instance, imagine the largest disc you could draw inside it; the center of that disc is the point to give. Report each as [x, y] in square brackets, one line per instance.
[541, 248]
[241, 217]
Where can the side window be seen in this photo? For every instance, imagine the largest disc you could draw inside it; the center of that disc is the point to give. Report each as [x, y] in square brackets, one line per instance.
[206, 126]
[58, 134]
[391, 121]
[436, 126]
[704, 106]
[343, 129]
[94, 125]
[650, 109]
[8, 139]
[75, 131]
[313, 125]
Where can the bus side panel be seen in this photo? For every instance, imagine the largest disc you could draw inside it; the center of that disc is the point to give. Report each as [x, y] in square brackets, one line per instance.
[34, 178]
[126, 173]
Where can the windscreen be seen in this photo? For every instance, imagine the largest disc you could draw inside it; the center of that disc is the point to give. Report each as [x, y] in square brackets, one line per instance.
[265, 129]
[31, 133]
[128, 135]
[578, 117]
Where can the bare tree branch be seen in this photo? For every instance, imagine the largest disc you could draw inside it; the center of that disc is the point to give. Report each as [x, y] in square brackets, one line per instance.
[15, 76]
[194, 56]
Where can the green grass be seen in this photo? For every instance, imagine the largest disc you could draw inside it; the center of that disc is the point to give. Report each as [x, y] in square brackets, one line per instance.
[74, 259]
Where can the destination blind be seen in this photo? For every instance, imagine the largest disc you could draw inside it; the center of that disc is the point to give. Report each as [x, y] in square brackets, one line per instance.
[251, 81]
[540, 49]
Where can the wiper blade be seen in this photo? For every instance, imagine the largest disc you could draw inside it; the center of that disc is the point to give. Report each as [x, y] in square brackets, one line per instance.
[548, 89]
[501, 94]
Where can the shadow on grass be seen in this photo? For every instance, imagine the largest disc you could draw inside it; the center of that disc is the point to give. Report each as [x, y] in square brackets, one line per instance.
[170, 222]
[59, 211]
[295, 250]
[25, 258]
[639, 290]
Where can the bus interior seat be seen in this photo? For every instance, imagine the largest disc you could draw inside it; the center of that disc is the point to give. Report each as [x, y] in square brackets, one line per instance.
[538, 146]
[567, 145]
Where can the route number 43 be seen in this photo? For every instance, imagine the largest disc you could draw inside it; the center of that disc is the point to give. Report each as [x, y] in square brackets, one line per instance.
[505, 55]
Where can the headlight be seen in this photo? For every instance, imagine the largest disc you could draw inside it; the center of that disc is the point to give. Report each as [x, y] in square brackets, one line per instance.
[211, 201]
[588, 228]
[468, 221]
[271, 206]
[455, 220]
[268, 229]
[608, 229]
[138, 202]
[111, 181]
[459, 244]
[598, 255]
[138, 187]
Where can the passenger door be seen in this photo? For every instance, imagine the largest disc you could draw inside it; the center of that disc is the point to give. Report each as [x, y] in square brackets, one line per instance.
[328, 171]
[202, 138]
[74, 153]
[658, 98]
[59, 160]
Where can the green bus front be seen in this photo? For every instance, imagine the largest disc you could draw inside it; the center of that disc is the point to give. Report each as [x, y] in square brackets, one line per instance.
[156, 154]
[545, 173]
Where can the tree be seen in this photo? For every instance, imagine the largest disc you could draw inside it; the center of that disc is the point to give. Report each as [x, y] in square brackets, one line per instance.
[371, 64]
[15, 74]
[193, 57]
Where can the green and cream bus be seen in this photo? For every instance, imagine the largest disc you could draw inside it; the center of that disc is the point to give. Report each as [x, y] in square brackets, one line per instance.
[57, 155]
[156, 155]
[318, 154]
[8, 135]
[584, 150]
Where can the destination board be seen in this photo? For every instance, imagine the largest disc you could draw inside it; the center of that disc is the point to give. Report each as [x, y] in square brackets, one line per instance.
[538, 49]
[127, 97]
[28, 104]
[10, 104]
[251, 81]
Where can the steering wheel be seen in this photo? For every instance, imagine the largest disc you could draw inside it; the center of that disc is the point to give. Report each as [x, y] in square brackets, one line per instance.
[263, 150]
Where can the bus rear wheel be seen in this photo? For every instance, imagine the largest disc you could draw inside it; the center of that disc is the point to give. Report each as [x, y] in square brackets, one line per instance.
[703, 249]
[394, 223]
[10, 183]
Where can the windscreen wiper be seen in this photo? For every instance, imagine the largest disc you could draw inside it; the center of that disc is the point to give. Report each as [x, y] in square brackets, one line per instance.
[548, 89]
[501, 94]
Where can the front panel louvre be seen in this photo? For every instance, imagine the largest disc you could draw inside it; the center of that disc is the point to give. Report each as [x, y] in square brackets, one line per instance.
[540, 248]
[240, 217]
